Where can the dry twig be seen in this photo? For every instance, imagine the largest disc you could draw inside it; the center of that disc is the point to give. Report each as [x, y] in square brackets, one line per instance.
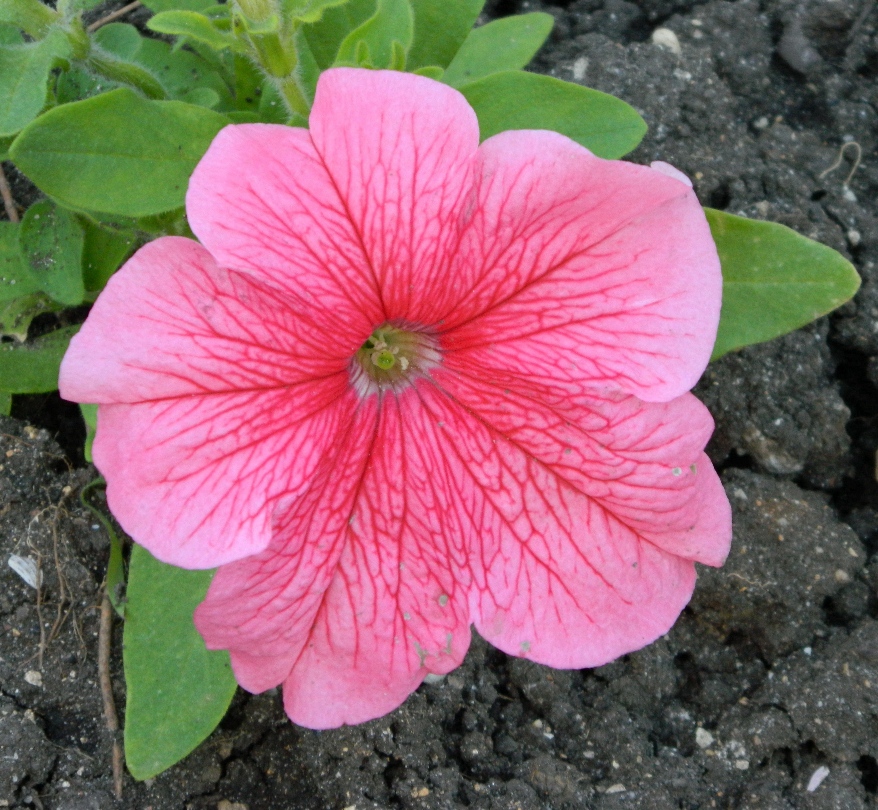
[6, 194]
[105, 637]
[114, 15]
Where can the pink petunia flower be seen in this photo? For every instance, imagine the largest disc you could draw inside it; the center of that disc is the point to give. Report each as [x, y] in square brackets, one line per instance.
[406, 384]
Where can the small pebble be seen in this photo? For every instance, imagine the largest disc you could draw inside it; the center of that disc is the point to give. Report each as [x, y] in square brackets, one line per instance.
[817, 778]
[34, 677]
[703, 738]
[665, 38]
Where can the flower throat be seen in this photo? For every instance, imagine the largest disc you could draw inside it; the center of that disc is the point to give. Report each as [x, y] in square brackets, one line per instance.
[392, 357]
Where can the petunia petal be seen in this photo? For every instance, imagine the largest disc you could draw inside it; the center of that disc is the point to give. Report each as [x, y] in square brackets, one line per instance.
[197, 479]
[170, 323]
[382, 598]
[582, 515]
[585, 272]
[401, 150]
[283, 222]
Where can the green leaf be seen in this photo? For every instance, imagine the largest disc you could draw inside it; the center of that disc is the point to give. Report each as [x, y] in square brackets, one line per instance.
[505, 44]
[183, 74]
[117, 153]
[307, 11]
[103, 253]
[195, 26]
[516, 100]
[32, 367]
[10, 35]
[32, 16]
[5, 403]
[51, 243]
[157, 6]
[441, 26]
[774, 280]
[325, 36]
[24, 75]
[16, 314]
[90, 417]
[120, 39]
[16, 280]
[178, 691]
[392, 22]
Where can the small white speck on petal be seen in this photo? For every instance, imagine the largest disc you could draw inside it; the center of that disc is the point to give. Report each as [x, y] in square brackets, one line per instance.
[817, 778]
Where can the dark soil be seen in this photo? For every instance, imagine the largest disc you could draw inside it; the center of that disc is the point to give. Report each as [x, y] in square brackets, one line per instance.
[769, 675]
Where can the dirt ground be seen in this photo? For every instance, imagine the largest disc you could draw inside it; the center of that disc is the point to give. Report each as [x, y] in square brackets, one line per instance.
[768, 682]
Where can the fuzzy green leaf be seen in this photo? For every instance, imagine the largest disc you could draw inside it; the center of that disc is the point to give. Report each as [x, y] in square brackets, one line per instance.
[117, 153]
[16, 280]
[195, 26]
[505, 44]
[325, 36]
[392, 22]
[24, 75]
[32, 367]
[51, 243]
[516, 100]
[774, 280]
[178, 691]
[441, 27]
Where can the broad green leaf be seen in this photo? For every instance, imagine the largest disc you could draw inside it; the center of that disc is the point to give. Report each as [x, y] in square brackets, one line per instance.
[24, 75]
[195, 26]
[774, 280]
[16, 314]
[78, 83]
[16, 280]
[505, 44]
[32, 367]
[516, 100]
[51, 243]
[178, 691]
[31, 16]
[183, 73]
[157, 6]
[5, 403]
[103, 253]
[120, 39]
[325, 36]
[441, 26]
[5, 143]
[308, 11]
[10, 35]
[392, 22]
[117, 153]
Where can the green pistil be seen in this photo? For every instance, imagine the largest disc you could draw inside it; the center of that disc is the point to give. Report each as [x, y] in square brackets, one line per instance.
[384, 359]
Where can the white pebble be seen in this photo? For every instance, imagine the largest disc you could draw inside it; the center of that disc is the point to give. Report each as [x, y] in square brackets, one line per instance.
[817, 778]
[580, 66]
[34, 677]
[665, 38]
[703, 738]
[27, 568]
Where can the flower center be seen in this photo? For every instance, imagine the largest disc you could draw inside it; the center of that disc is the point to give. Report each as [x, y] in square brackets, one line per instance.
[393, 357]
